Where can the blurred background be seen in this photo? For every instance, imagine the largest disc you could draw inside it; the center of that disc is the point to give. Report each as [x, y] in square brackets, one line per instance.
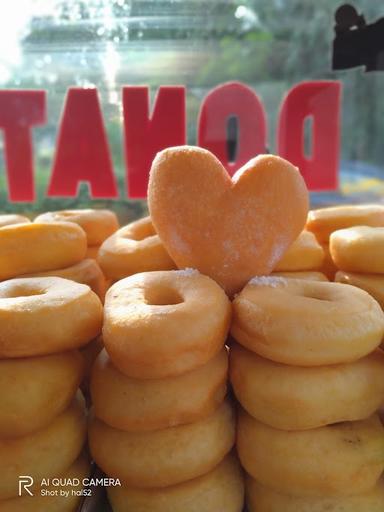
[267, 44]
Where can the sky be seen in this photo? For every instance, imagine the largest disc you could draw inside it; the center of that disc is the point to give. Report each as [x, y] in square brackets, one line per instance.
[14, 26]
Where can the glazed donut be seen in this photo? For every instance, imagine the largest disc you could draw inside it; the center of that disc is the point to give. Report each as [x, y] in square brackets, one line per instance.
[76, 473]
[358, 249]
[163, 324]
[44, 315]
[35, 390]
[45, 453]
[163, 457]
[371, 283]
[86, 272]
[92, 252]
[7, 219]
[304, 254]
[306, 323]
[132, 249]
[298, 398]
[264, 499]
[328, 268]
[340, 459]
[27, 248]
[97, 224]
[151, 404]
[324, 221]
[219, 490]
[309, 276]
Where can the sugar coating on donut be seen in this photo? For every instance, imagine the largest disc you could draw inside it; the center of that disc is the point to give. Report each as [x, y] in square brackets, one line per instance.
[188, 272]
[272, 281]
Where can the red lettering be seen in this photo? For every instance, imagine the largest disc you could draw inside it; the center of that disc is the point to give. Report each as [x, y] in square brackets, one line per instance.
[145, 134]
[19, 111]
[82, 151]
[321, 102]
[232, 100]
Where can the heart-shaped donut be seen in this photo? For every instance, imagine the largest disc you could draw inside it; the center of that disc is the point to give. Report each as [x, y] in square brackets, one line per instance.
[229, 229]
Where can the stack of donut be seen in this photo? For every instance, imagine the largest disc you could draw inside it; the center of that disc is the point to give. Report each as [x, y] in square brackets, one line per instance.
[43, 323]
[97, 225]
[325, 221]
[303, 259]
[162, 423]
[309, 376]
[133, 249]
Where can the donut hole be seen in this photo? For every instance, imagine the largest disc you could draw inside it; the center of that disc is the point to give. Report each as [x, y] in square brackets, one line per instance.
[22, 291]
[160, 296]
[142, 232]
[318, 294]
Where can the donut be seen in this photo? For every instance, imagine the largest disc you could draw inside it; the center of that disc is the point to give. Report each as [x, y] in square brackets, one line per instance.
[92, 252]
[150, 404]
[339, 459]
[219, 490]
[299, 398]
[371, 283]
[165, 323]
[164, 457]
[42, 499]
[229, 229]
[45, 453]
[308, 275]
[44, 315]
[7, 219]
[132, 249]
[86, 272]
[324, 221]
[304, 254]
[264, 499]
[306, 323]
[328, 268]
[358, 249]
[97, 224]
[35, 390]
[27, 248]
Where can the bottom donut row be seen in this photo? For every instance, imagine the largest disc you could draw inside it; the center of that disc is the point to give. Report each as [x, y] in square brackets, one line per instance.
[264, 499]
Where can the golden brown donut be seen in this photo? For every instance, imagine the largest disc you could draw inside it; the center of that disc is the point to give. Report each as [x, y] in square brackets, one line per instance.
[340, 459]
[7, 219]
[219, 490]
[29, 248]
[264, 499]
[43, 501]
[86, 272]
[308, 275]
[150, 404]
[371, 283]
[97, 224]
[163, 324]
[298, 398]
[304, 254]
[45, 453]
[358, 249]
[324, 221]
[160, 458]
[44, 315]
[132, 249]
[306, 323]
[35, 390]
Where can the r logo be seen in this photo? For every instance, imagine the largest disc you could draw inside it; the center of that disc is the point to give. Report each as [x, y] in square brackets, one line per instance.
[25, 482]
